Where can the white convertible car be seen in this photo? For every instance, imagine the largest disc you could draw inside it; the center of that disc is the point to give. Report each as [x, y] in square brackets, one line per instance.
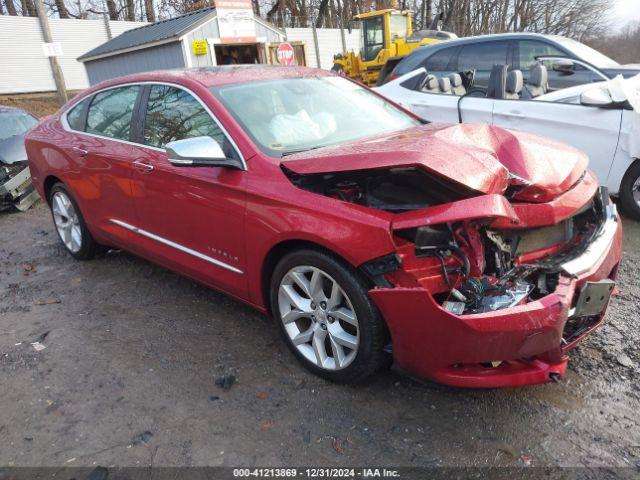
[602, 119]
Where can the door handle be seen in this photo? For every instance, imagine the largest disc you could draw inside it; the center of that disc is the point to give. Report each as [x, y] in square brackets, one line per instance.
[512, 114]
[142, 166]
[80, 151]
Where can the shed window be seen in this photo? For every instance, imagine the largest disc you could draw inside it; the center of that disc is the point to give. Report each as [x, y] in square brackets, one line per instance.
[174, 114]
[111, 111]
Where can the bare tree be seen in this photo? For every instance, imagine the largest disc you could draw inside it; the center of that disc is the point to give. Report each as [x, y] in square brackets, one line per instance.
[11, 8]
[149, 11]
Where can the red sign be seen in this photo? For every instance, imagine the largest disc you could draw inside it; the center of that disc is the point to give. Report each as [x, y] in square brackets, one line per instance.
[285, 54]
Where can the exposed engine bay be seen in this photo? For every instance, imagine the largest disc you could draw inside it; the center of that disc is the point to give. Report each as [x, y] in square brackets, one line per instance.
[487, 270]
[468, 267]
[394, 190]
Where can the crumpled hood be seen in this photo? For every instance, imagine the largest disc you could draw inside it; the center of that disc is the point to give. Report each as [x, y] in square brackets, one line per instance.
[13, 150]
[481, 157]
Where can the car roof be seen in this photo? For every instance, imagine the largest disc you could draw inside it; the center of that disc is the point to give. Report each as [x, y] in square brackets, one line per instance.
[485, 38]
[215, 76]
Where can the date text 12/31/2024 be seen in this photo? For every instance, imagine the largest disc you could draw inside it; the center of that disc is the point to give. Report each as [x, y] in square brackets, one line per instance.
[289, 473]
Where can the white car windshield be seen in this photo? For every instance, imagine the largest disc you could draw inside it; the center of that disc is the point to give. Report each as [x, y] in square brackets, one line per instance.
[296, 114]
[15, 123]
[588, 54]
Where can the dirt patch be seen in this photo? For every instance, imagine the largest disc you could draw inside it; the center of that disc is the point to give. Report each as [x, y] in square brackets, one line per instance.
[40, 104]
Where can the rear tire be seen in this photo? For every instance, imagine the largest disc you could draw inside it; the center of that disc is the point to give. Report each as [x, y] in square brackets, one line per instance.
[630, 191]
[70, 224]
[326, 317]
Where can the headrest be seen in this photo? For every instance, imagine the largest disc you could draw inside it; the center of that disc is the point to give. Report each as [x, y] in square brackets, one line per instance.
[444, 84]
[455, 79]
[514, 81]
[431, 82]
[538, 75]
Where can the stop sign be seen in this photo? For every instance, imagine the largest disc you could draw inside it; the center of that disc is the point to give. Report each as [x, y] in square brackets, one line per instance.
[285, 54]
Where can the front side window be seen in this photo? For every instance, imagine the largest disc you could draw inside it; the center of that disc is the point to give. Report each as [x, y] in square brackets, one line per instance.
[293, 114]
[111, 111]
[15, 123]
[483, 56]
[530, 49]
[174, 114]
[372, 36]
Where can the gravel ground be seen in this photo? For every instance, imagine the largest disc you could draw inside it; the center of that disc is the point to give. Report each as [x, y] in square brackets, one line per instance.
[132, 353]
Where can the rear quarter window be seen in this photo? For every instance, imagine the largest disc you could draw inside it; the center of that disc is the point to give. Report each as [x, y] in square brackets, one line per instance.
[75, 117]
[111, 111]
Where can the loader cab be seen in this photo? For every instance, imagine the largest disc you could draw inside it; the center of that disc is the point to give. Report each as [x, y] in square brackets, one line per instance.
[379, 29]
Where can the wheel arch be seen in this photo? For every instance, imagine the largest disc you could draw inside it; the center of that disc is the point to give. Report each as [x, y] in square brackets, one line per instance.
[48, 184]
[282, 248]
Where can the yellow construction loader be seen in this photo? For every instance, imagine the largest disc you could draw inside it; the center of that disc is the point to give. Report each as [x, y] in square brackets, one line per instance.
[386, 36]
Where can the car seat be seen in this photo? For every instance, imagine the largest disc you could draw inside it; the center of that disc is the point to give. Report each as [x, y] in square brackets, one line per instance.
[514, 85]
[430, 84]
[497, 85]
[456, 84]
[537, 83]
[445, 85]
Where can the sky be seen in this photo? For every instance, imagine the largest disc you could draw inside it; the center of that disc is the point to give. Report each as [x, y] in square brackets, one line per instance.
[624, 12]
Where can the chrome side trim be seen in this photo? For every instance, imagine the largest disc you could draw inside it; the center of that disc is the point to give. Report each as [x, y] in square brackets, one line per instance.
[67, 127]
[597, 248]
[177, 246]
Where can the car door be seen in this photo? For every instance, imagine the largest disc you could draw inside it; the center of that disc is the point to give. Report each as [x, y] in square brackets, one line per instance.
[592, 130]
[189, 218]
[101, 154]
[436, 107]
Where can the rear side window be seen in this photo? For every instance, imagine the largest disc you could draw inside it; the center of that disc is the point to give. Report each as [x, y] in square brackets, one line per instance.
[111, 111]
[174, 114]
[75, 117]
[483, 56]
[440, 61]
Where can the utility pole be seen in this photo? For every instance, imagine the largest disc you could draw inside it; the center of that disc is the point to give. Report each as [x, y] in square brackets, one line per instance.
[53, 61]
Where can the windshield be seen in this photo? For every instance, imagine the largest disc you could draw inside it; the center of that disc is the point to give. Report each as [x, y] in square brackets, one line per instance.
[296, 114]
[371, 37]
[15, 123]
[588, 54]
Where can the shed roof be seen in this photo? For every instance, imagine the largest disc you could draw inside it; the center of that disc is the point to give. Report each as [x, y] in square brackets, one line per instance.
[162, 31]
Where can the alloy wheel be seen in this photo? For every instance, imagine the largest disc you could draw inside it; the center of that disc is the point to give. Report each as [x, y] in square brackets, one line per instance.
[318, 317]
[67, 222]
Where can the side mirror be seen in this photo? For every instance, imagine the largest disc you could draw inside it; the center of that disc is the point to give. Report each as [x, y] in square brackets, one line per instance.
[199, 152]
[566, 67]
[596, 97]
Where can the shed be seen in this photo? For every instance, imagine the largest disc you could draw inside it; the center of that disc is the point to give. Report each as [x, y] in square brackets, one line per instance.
[190, 40]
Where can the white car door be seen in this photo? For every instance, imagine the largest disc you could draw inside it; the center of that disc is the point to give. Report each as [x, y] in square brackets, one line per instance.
[590, 129]
[437, 107]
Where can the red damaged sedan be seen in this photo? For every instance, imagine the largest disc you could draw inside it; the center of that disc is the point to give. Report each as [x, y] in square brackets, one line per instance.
[476, 256]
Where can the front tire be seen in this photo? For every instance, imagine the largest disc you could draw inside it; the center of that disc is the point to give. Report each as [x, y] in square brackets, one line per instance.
[326, 317]
[70, 224]
[630, 191]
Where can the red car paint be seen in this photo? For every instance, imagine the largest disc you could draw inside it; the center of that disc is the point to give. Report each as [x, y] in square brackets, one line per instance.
[247, 218]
